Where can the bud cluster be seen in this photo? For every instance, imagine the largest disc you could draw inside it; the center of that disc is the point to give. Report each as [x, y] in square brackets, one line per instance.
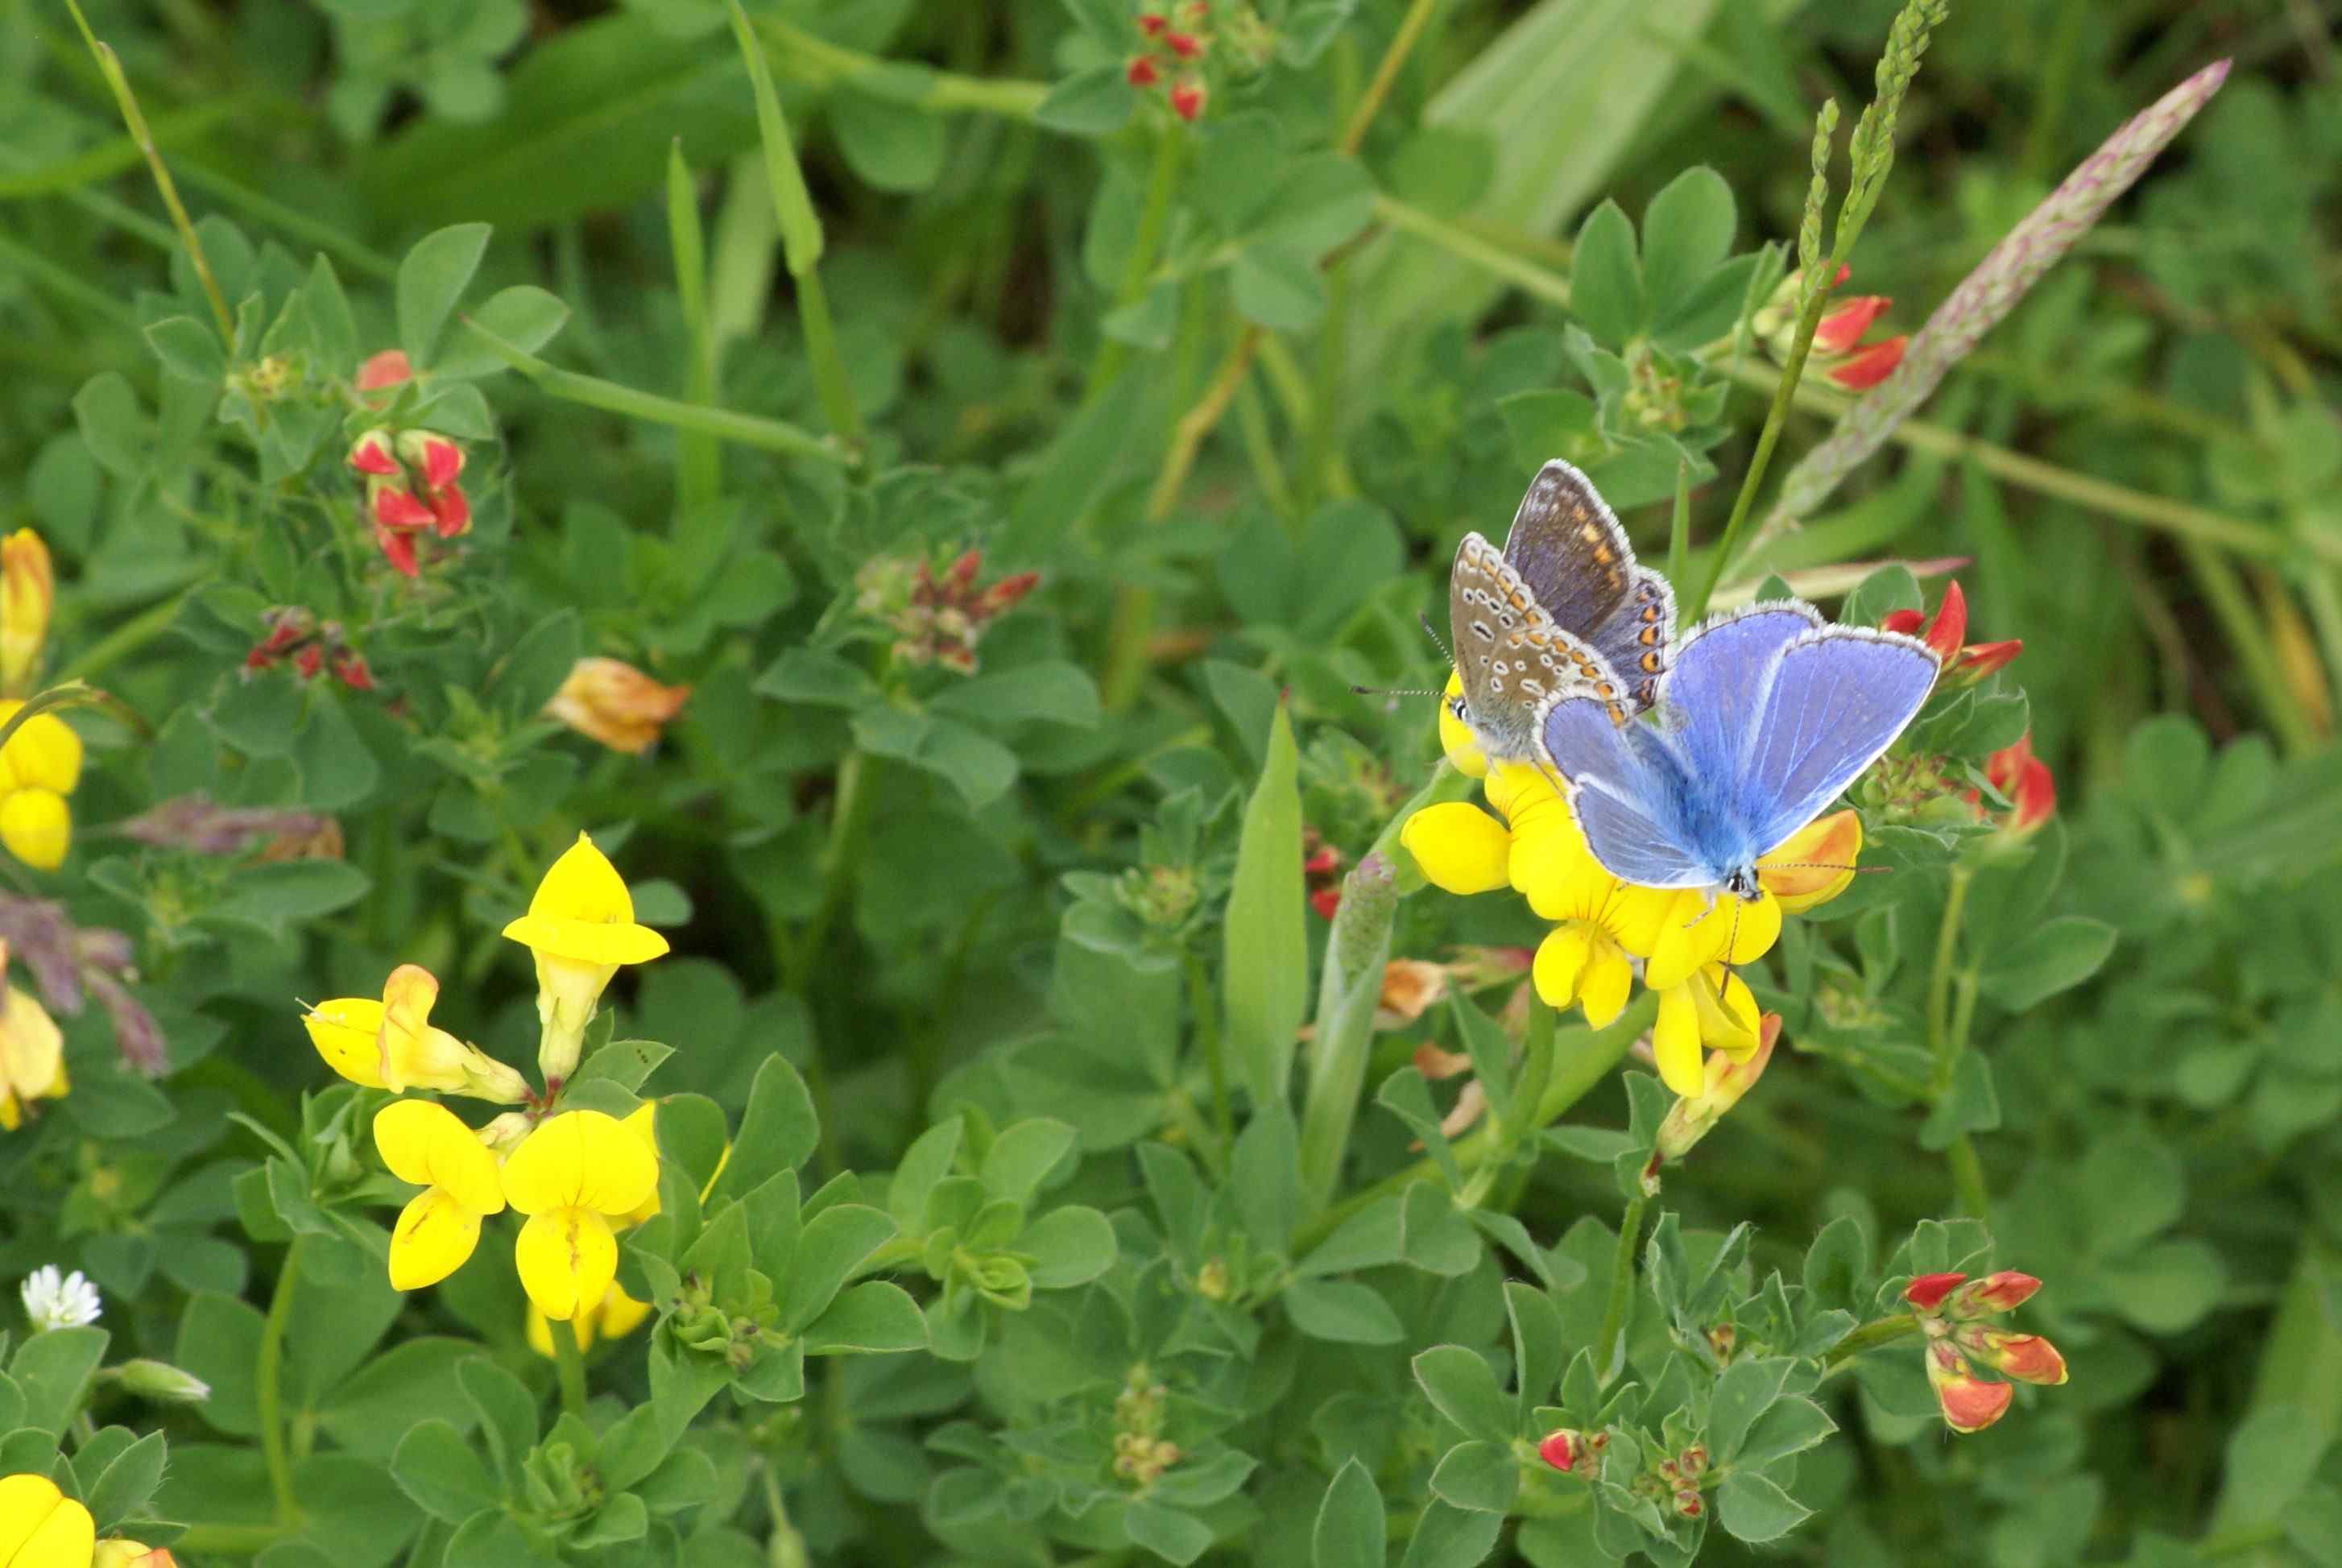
[296, 636]
[1839, 351]
[1950, 1309]
[411, 475]
[1173, 47]
[1321, 864]
[1141, 1454]
[937, 618]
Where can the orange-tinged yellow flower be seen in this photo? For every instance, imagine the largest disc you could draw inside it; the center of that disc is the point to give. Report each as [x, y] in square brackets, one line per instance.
[1811, 866]
[31, 1052]
[1712, 1009]
[391, 1044]
[41, 1527]
[581, 927]
[610, 701]
[617, 1315]
[120, 1552]
[423, 1142]
[28, 591]
[571, 1177]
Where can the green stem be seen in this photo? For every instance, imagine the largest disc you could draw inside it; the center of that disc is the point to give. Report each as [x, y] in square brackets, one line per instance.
[1871, 1335]
[1939, 980]
[64, 281]
[569, 1364]
[1577, 1068]
[830, 380]
[2247, 633]
[818, 60]
[293, 221]
[1402, 44]
[268, 1381]
[849, 823]
[1622, 1285]
[1207, 1032]
[128, 638]
[227, 1540]
[747, 429]
[1138, 262]
[698, 461]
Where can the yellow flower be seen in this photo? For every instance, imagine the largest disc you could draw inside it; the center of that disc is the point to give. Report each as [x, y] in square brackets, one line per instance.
[1714, 1089]
[571, 1177]
[1460, 848]
[28, 589]
[41, 1527]
[390, 1044]
[1811, 866]
[617, 1315]
[1712, 1008]
[423, 1142]
[1456, 735]
[610, 701]
[39, 767]
[31, 1052]
[119, 1552]
[581, 926]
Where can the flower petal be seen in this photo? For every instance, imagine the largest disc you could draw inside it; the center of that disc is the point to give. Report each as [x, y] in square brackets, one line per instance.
[1560, 959]
[36, 826]
[1692, 933]
[425, 1142]
[581, 1158]
[43, 754]
[25, 1502]
[1602, 988]
[434, 1233]
[1814, 864]
[344, 1031]
[1674, 1042]
[1459, 847]
[567, 1257]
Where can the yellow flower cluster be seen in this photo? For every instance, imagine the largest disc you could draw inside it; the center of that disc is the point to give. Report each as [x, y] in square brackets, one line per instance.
[41, 1527]
[32, 1052]
[1684, 942]
[576, 1175]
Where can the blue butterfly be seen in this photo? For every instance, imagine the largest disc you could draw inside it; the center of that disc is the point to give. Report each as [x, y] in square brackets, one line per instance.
[1768, 714]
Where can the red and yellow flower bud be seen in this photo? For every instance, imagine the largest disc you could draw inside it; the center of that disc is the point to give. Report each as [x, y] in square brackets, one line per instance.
[1926, 1292]
[1187, 101]
[1969, 1404]
[1565, 1450]
[387, 368]
[2004, 1290]
[1867, 366]
[2027, 782]
[371, 454]
[610, 701]
[28, 593]
[1843, 327]
[2027, 1357]
[1141, 72]
[1942, 631]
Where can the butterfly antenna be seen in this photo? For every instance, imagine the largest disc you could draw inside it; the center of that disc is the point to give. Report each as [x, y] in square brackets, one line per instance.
[1433, 633]
[1396, 690]
[1821, 865]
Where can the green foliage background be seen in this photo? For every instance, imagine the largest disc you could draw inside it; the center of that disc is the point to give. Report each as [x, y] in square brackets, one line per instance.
[989, 921]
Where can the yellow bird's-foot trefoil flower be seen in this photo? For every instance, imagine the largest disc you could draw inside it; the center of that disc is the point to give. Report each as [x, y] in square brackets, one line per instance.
[610, 701]
[39, 767]
[28, 592]
[571, 1177]
[1950, 1307]
[423, 1142]
[617, 1315]
[41, 1527]
[1722, 1079]
[32, 1052]
[581, 927]
[390, 1044]
[1713, 1010]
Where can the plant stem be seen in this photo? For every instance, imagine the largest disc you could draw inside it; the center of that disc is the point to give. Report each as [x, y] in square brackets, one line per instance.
[1870, 1336]
[228, 1540]
[815, 59]
[128, 638]
[1402, 44]
[128, 103]
[2247, 633]
[267, 1381]
[569, 1363]
[1939, 979]
[1622, 1284]
[698, 461]
[1154, 218]
[747, 429]
[1207, 1030]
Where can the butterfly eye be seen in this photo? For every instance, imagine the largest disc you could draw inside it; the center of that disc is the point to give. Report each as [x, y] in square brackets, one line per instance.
[1456, 706]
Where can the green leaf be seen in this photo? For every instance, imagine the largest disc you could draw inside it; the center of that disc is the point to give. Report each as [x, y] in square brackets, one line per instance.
[1754, 1509]
[1461, 1385]
[1342, 1312]
[2058, 955]
[527, 678]
[1093, 103]
[525, 316]
[833, 1244]
[778, 1131]
[276, 894]
[1971, 1106]
[1447, 1536]
[1318, 201]
[888, 145]
[507, 1413]
[1790, 1424]
[926, 1162]
[1746, 1391]
[1068, 1246]
[1277, 287]
[488, 1540]
[188, 347]
[1021, 1155]
[415, 1379]
[113, 425]
[973, 762]
[1606, 283]
[1265, 944]
[1054, 692]
[434, 1465]
[1483, 1477]
[52, 1371]
[1351, 1530]
[1686, 234]
[431, 279]
[875, 1317]
[1404, 1095]
[1539, 1341]
[128, 1480]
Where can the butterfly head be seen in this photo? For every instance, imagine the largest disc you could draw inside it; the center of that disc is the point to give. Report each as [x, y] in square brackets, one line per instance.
[1742, 884]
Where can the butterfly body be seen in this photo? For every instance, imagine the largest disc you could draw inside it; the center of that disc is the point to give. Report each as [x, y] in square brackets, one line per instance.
[1563, 608]
[1771, 713]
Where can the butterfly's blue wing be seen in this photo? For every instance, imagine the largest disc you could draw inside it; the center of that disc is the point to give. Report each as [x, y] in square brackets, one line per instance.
[1629, 788]
[1711, 694]
[1838, 698]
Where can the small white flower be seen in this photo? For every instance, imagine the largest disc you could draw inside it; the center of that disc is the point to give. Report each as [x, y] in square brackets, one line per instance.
[55, 1303]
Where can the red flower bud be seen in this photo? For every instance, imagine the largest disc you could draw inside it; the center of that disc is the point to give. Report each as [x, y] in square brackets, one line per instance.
[1187, 45]
[370, 453]
[259, 659]
[1187, 100]
[2032, 792]
[1326, 901]
[1141, 72]
[397, 547]
[442, 461]
[309, 661]
[1687, 1502]
[1152, 24]
[1926, 1292]
[1950, 623]
[1843, 327]
[2000, 1291]
[1562, 1449]
[350, 669]
[387, 368]
[961, 573]
[1868, 365]
[2027, 1357]
[1325, 862]
[1978, 659]
[1003, 596]
[397, 508]
[451, 511]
